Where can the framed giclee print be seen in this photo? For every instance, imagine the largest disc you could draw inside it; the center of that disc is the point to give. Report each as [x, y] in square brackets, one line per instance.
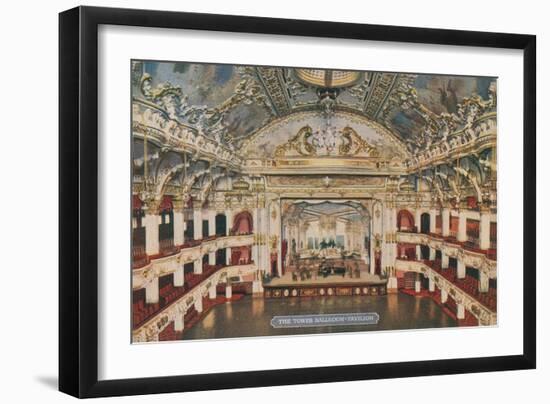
[252, 201]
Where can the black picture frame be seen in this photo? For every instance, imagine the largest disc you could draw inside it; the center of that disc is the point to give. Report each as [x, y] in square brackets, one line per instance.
[78, 201]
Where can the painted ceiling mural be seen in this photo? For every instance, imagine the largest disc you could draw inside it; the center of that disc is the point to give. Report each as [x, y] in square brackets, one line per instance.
[238, 106]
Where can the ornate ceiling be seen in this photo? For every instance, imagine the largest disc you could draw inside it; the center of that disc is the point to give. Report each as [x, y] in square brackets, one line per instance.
[235, 104]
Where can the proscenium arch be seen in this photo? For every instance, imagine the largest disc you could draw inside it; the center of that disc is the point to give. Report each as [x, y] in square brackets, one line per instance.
[301, 118]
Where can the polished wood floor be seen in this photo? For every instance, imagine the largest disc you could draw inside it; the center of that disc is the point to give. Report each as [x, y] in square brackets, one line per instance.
[251, 316]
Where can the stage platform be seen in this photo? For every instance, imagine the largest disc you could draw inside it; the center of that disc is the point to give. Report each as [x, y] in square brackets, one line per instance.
[332, 285]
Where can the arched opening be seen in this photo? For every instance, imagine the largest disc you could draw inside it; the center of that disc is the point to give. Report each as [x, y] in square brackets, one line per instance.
[425, 223]
[242, 224]
[166, 226]
[405, 221]
[221, 256]
[241, 255]
[425, 252]
[221, 224]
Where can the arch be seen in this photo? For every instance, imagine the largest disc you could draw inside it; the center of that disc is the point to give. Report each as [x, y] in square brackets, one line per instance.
[220, 224]
[242, 223]
[425, 223]
[405, 220]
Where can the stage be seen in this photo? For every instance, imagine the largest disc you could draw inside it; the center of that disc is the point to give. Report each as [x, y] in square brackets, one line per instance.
[332, 285]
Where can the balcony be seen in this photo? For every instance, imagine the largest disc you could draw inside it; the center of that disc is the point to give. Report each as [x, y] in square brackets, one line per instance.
[468, 246]
[468, 284]
[168, 294]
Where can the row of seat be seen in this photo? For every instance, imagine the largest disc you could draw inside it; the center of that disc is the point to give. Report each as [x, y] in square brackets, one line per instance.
[168, 293]
[468, 284]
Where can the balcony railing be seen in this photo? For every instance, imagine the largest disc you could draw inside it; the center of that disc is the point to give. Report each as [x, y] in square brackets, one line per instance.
[168, 294]
[471, 245]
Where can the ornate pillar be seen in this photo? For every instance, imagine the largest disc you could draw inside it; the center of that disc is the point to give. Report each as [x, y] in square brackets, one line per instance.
[483, 282]
[228, 291]
[228, 256]
[179, 222]
[445, 221]
[197, 220]
[266, 255]
[212, 292]
[418, 253]
[485, 229]
[211, 222]
[198, 304]
[212, 258]
[432, 254]
[417, 219]
[460, 269]
[417, 284]
[197, 266]
[152, 291]
[151, 223]
[460, 311]
[255, 225]
[461, 236]
[179, 275]
[444, 260]
[179, 322]
[228, 220]
[377, 234]
[431, 285]
[433, 215]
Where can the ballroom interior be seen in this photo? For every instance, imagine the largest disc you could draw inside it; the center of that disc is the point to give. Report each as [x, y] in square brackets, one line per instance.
[271, 190]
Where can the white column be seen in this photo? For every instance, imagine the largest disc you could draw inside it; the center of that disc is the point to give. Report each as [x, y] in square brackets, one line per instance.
[418, 252]
[444, 260]
[460, 313]
[178, 322]
[417, 286]
[485, 230]
[265, 264]
[483, 282]
[212, 258]
[212, 292]
[255, 252]
[178, 276]
[151, 223]
[197, 224]
[228, 256]
[432, 254]
[433, 214]
[178, 227]
[445, 221]
[152, 291]
[228, 292]
[198, 304]
[417, 219]
[431, 285]
[228, 221]
[461, 236]
[460, 269]
[197, 266]
[372, 268]
[444, 295]
[211, 223]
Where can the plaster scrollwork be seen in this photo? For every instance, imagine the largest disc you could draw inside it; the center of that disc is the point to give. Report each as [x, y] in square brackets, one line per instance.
[206, 120]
